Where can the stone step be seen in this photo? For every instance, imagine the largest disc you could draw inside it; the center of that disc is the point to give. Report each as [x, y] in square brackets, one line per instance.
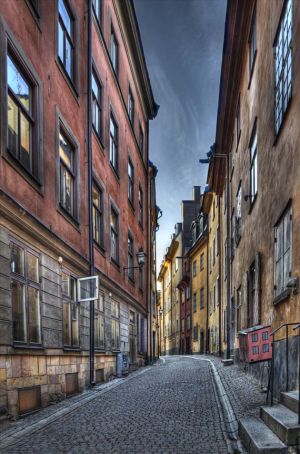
[227, 362]
[290, 400]
[283, 422]
[258, 438]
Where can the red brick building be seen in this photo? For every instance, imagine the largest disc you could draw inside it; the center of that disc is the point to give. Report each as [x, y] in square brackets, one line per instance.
[44, 187]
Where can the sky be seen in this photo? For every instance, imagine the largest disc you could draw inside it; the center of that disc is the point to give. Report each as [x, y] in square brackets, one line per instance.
[183, 42]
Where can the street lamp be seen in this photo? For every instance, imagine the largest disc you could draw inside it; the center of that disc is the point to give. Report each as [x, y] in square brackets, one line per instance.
[140, 259]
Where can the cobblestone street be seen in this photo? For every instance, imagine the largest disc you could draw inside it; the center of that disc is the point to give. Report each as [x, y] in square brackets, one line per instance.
[170, 408]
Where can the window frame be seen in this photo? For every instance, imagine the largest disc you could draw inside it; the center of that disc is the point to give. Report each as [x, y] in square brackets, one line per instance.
[73, 81]
[98, 14]
[100, 312]
[114, 210]
[130, 256]
[26, 282]
[114, 140]
[141, 142]
[141, 206]
[62, 125]
[67, 300]
[115, 320]
[99, 103]
[101, 214]
[113, 39]
[286, 215]
[253, 164]
[280, 81]
[130, 106]
[10, 46]
[252, 44]
[130, 182]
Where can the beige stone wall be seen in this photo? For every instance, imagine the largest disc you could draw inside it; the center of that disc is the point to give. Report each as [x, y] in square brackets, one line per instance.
[48, 372]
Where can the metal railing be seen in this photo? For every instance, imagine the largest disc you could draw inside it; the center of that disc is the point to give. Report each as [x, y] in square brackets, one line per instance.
[272, 371]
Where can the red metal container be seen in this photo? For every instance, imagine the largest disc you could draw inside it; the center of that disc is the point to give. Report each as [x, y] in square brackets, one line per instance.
[255, 344]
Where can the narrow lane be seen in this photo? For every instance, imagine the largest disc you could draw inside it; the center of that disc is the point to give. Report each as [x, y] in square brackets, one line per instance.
[169, 409]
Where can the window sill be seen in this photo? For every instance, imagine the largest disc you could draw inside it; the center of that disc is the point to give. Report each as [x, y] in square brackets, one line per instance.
[116, 264]
[31, 179]
[68, 217]
[100, 248]
[114, 172]
[68, 80]
[23, 346]
[252, 204]
[72, 349]
[282, 297]
[277, 135]
[99, 140]
[131, 206]
[252, 70]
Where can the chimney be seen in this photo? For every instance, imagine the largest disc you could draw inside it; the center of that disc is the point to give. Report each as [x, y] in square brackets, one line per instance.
[196, 193]
[178, 228]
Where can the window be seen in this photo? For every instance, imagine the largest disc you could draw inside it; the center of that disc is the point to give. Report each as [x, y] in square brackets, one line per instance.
[214, 251]
[35, 6]
[66, 38]
[97, 8]
[130, 106]
[195, 302]
[130, 182]
[70, 311]
[194, 268]
[114, 50]
[252, 44]
[99, 322]
[188, 293]
[283, 64]
[98, 218]
[201, 262]
[141, 206]
[141, 140]
[265, 348]
[182, 325]
[251, 293]
[265, 335]
[283, 262]
[195, 332]
[255, 337]
[114, 235]
[113, 144]
[238, 120]
[130, 257]
[176, 264]
[238, 215]
[188, 322]
[25, 295]
[210, 259]
[115, 325]
[67, 174]
[214, 297]
[202, 302]
[238, 309]
[20, 117]
[97, 105]
[210, 302]
[253, 165]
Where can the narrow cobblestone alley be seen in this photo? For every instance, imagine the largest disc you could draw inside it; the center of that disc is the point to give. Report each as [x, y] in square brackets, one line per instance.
[169, 408]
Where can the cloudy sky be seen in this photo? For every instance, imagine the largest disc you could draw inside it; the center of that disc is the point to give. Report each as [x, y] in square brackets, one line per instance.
[183, 42]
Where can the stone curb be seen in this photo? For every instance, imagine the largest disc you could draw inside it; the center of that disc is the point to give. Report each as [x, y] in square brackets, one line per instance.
[230, 419]
[12, 436]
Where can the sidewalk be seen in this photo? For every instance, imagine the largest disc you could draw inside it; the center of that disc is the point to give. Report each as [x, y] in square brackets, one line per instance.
[242, 389]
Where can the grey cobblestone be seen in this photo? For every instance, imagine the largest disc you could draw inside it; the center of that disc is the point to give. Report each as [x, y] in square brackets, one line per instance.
[171, 408]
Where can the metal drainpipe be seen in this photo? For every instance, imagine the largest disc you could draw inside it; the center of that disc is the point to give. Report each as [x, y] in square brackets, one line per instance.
[148, 282]
[90, 183]
[228, 260]
[219, 283]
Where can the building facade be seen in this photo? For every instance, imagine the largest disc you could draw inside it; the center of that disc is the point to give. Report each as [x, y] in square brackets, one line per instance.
[52, 132]
[198, 257]
[258, 174]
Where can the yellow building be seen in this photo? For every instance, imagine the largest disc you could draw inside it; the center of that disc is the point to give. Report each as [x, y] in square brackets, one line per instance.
[211, 206]
[169, 278]
[199, 280]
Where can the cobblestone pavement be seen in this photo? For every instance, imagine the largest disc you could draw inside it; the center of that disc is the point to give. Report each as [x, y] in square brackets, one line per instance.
[243, 390]
[171, 408]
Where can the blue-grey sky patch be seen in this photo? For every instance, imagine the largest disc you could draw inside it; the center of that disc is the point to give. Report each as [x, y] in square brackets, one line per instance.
[183, 42]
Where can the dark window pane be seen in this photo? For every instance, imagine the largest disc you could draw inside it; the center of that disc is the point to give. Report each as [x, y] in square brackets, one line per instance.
[18, 311]
[34, 315]
[13, 128]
